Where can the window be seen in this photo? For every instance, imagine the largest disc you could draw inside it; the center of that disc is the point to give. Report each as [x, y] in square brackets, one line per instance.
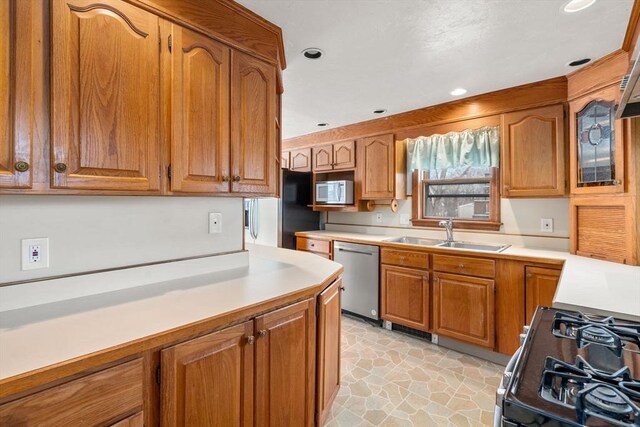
[469, 195]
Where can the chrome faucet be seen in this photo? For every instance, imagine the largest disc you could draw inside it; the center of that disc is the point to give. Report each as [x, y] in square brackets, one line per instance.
[448, 227]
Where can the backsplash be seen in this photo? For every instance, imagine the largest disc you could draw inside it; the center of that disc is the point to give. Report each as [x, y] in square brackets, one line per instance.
[520, 218]
[89, 233]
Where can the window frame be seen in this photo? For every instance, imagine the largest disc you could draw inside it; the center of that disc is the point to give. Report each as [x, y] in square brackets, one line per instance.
[420, 181]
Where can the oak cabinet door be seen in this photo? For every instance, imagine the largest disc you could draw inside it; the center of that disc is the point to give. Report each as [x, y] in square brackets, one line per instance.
[540, 287]
[533, 158]
[254, 158]
[284, 159]
[404, 296]
[328, 359]
[285, 360]
[344, 155]
[16, 86]
[300, 160]
[200, 122]
[135, 420]
[323, 158]
[463, 308]
[105, 102]
[376, 173]
[208, 381]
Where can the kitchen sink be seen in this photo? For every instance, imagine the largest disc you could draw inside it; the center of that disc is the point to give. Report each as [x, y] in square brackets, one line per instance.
[414, 241]
[473, 246]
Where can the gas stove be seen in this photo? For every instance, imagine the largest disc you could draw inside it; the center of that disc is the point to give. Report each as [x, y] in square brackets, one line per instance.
[575, 370]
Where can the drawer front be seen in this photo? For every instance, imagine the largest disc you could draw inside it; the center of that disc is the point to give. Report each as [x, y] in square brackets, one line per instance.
[314, 245]
[97, 399]
[405, 258]
[465, 265]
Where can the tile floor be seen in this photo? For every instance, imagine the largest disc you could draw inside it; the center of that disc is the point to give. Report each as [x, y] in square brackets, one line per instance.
[392, 379]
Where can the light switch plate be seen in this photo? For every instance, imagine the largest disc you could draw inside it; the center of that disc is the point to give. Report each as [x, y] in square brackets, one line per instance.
[215, 222]
[378, 218]
[35, 253]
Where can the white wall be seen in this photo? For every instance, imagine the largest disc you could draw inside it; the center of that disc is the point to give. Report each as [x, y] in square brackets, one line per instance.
[89, 233]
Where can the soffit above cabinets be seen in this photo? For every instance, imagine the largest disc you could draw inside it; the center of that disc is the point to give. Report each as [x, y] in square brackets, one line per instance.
[408, 54]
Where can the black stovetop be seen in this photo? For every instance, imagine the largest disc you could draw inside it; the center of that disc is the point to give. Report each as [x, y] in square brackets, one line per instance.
[576, 370]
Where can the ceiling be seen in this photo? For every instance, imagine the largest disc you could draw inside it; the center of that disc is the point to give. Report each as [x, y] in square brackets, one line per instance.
[400, 55]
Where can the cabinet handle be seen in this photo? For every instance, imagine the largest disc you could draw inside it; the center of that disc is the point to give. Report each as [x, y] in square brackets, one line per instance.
[529, 275]
[402, 259]
[506, 187]
[60, 167]
[251, 339]
[460, 265]
[236, 178]
[342, 288]
[436, 279]
[617, 181]
[22, 166]
[226, 178]
[262, 333]
[313, 245]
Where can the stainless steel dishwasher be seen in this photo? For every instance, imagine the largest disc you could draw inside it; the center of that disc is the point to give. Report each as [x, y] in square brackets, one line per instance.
[360, 278]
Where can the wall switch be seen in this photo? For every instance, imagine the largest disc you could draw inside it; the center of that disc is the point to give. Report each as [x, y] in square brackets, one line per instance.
[215, 222]
[35, 253]
[405, 219]
[546, 225]
[378, 218]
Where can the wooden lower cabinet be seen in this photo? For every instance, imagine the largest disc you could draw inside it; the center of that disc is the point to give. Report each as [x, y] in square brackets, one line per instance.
[328, 352]
[463, 308]
[136, 420]
[404, 296]
[540, 287]
[208, 381]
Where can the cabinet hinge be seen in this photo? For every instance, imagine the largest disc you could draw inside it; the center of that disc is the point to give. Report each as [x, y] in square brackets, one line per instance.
[170, 42]
[158, 375]
[169, 172]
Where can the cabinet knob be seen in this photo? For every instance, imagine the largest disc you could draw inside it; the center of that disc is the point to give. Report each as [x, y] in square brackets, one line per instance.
[312, 244]
[262, 333]
[617, 181]
[460, 265]
[60, 167]
[236, 178]
[529, 275]
[342, 288]
[22, 166]
[226, 178]
[251, 339]
[506, 187]
[436, 279]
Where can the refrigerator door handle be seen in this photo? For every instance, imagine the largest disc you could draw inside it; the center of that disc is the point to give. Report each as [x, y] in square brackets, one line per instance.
[253, 228]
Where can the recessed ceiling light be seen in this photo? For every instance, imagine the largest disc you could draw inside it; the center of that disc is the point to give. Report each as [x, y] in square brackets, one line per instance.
[323, 124]
[577, 5]
[579, 62]
[459, 91]
[380, 111]
[312, 53]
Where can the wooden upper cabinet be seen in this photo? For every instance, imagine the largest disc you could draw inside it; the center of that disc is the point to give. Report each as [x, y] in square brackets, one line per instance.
[404, 296]
[285, 159]
[376, 167]
[200, 118]
[254, 158]
[16, 86]
[285, 360]
[104, 96]
[208, 381]
[328, 367]
[540, 287]
[594, 135]
[533, 153]
[323, 158]
[344, 155]
[463, 308]
[300, 160]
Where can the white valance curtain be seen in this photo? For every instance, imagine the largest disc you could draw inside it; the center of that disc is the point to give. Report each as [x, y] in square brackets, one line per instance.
[471, 147]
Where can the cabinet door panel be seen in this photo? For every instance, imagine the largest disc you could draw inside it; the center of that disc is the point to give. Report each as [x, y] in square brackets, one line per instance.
[16, 87]
[301, 160]
[322, 158]
[200, 134]
[404, 297]
[463, 308]
[533, 164]
[208, 381]
[136, 420]
[344, 155]
[540, 287]
[253, 125]
[376, 158]
[105, 82]
[328, 375]
[285, 366]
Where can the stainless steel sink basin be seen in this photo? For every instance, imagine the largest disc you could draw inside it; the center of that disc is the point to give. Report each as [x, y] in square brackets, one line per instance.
[414, 241]
[473, 246]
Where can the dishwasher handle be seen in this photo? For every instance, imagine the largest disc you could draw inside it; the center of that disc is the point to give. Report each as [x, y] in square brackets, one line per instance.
[355, 252]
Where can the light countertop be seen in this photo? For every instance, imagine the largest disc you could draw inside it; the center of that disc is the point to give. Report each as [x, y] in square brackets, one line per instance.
[590, 285]
[32, 337]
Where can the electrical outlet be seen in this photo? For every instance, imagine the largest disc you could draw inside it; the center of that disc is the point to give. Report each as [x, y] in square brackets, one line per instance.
[405, 219]
[378, 218]
[215, 222]
[546, 225]
[35, 253]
